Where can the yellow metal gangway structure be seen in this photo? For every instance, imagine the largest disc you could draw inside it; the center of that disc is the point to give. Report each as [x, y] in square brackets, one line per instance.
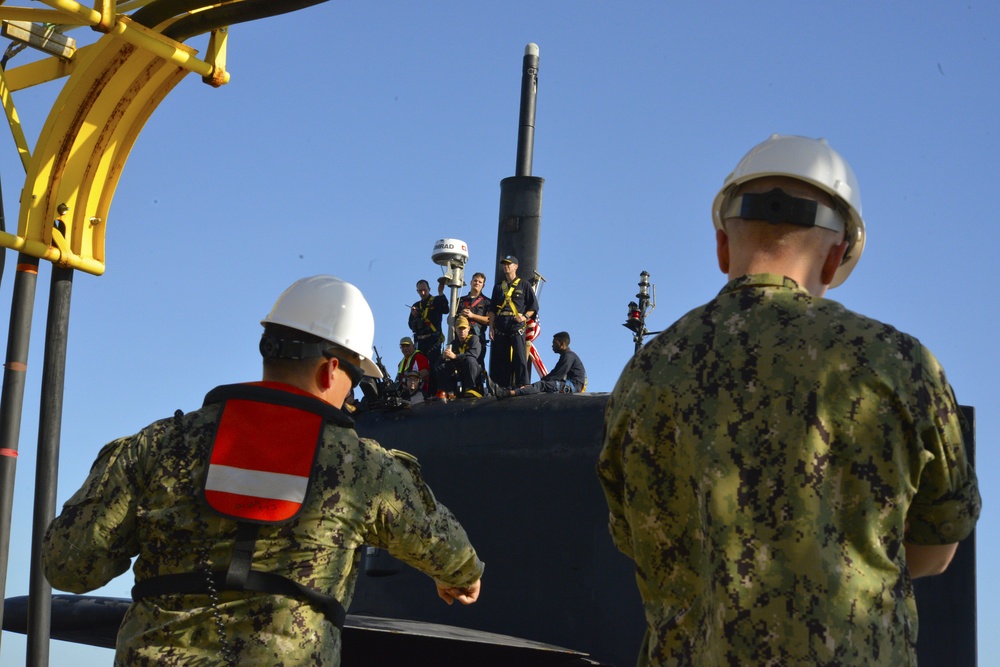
[112, 86]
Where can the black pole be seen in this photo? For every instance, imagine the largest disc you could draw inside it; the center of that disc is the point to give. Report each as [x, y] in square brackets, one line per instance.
[12, 399]
[47, 470]
[526, 117]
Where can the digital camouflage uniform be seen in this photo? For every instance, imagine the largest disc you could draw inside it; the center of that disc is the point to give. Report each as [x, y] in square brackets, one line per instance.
[142, 499]
[761, 459]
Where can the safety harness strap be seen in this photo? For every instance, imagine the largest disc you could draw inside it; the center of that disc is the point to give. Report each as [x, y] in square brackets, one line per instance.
[424, 314]
[256, 581]
[239, 566]
[509, 292]
[473, 304]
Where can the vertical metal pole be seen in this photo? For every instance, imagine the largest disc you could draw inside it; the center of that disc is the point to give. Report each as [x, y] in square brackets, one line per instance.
[457, 272]
[47, 470]
[526, 116]
[12, 399]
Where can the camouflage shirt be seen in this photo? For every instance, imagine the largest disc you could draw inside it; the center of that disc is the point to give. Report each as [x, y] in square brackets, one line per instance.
[762, 460]
[142, 498]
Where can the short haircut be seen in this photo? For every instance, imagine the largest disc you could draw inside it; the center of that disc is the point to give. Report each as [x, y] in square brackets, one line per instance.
[423, 282]
[479, 275]
[562, 336]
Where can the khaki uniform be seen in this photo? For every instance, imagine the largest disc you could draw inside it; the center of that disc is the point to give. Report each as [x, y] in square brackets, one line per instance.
[142, 498]
[762, 458]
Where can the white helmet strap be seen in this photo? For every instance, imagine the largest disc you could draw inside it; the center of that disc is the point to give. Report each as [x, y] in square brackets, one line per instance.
[777, 206]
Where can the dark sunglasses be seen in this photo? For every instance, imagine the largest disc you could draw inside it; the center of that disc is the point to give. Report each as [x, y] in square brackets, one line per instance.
[354, 372]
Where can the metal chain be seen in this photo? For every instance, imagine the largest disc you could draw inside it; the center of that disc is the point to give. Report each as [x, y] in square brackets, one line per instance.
[227, 652]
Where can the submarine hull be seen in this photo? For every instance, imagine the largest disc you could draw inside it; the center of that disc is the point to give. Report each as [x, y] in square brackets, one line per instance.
[520, 476]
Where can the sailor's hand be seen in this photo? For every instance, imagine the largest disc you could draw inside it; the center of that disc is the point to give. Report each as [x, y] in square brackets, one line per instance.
[465, 595]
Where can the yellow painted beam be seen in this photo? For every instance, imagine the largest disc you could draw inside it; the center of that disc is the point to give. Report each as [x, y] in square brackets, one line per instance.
[45, 70]
[215, 55]
[14, 122]
[106, 8]
[164, 47]
[140, 36]
[11, 13]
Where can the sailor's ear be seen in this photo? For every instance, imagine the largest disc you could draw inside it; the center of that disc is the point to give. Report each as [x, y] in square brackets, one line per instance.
[834, 257]
[326, 373]
[722, 250]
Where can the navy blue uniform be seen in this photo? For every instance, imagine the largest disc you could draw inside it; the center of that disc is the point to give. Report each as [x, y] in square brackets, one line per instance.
[509, 359]
[425, 323]
[464, 367]
[479, 305]
[568, 376]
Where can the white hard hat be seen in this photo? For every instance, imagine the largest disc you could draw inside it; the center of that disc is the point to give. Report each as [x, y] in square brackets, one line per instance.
[811, 161]
[331, 309]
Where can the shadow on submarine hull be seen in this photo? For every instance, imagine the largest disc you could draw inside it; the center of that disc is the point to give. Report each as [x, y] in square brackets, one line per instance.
[520, 476]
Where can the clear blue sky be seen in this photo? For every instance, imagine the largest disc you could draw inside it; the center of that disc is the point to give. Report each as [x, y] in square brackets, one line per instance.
[353, 135]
